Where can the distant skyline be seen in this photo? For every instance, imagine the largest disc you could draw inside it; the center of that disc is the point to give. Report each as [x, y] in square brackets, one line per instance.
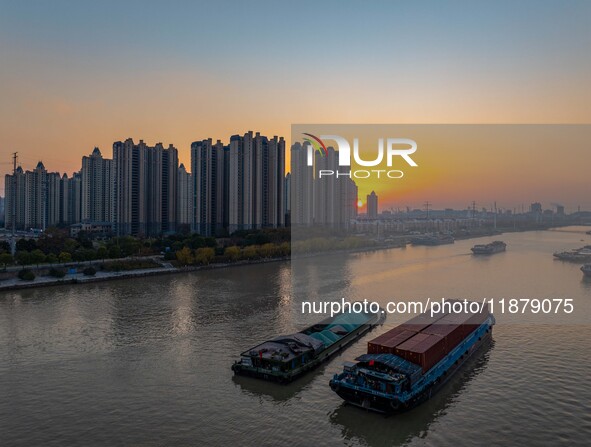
[75, 75]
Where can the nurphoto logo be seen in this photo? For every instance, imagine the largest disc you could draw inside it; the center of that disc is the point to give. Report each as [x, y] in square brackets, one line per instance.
[387, 150]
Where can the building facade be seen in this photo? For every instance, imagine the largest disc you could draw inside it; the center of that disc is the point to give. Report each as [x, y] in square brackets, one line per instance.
[239, 186]
[184, 198]
[372, 205]
[97, 177]
[327, 201]
[144, 188]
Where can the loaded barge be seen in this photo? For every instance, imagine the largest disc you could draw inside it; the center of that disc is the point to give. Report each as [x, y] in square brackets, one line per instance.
[410, 363]
[288, 357]
[582, 254]
[489, 249]
[432, 239]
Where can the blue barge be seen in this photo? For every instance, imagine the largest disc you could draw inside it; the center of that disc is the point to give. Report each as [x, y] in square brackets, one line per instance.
[387, 382]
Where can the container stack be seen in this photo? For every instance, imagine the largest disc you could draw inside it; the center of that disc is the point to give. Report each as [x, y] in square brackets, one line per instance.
[425, 339]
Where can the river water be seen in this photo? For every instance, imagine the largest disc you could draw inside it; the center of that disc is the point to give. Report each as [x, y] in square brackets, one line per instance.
[147, 361]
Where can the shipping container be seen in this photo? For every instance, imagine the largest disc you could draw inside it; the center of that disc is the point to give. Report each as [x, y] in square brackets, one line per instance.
[389, 340]
[424, 350]
[452, 334]
[421, 321]
[387, 347]
[469, 322]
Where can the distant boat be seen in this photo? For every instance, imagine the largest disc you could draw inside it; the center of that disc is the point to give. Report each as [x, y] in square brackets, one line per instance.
[489, 249]
[582, 254]
[288, 357]
[432, 239]
[586, 269]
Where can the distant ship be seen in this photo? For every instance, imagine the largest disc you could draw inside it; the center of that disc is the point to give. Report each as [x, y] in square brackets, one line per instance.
[582, 254]
[410, 363]
[586, 269]
[288, 357]
[489, 249]
[432, 239]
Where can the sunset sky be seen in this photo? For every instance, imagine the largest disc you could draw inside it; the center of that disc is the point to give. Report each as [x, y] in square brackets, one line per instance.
[74, 75]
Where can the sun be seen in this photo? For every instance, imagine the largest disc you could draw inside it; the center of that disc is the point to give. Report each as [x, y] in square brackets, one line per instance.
[359, 204]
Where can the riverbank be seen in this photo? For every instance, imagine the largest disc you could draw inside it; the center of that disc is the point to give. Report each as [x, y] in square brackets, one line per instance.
[81, 278]
[167, 268]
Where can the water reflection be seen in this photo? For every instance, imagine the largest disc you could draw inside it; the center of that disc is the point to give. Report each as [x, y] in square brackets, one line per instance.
[375, 430]
[276, 392]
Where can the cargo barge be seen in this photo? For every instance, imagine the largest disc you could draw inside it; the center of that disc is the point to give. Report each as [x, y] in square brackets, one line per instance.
[287, 357]
[410, 363]
[489, 249]
[432, 239]
[582, 254]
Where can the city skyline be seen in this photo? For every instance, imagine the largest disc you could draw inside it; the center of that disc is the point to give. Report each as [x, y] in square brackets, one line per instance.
[518, 207]
[75, 77]
[143, 190]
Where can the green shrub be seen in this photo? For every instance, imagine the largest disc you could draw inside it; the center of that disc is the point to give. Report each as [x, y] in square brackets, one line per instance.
[57, 273]
[89, 271]
[26, 275]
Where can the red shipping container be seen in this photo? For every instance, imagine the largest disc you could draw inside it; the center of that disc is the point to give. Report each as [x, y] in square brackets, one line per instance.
[424, 350]
[388, 340]
[389, 345]
[451, 333]
[421, 321]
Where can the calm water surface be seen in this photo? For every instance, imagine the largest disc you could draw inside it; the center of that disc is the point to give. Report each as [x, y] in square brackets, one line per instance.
[147, 361]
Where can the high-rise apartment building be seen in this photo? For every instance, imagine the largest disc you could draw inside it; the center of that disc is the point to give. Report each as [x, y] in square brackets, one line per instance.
[33, 199]
[207, 166]
[73, 198]
[184, 198]
[372, 205]
[327, 201]
[239, 186]
[15, 201]
[97, 177]
[144, 188]
[302, 187]
[170, 172]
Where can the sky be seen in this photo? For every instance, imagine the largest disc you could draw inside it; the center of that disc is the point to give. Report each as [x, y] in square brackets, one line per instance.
[75, 75]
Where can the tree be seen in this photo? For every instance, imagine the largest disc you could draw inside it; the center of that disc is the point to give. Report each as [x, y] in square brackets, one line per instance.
[23, 257]
[70, 245]
[65, 257]
[267, 250]
[285, 249]
[185, 256]
[114, 252]
[37, 257]
[52, 240]
[5, 259]
[26, 245]
[204, 255]
[51, 258]
[232, 253]
[250, 252]
[102, 253]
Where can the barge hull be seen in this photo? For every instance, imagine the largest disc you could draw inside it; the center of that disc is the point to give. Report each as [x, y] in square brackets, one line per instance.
[282, 377]
[382, 404]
